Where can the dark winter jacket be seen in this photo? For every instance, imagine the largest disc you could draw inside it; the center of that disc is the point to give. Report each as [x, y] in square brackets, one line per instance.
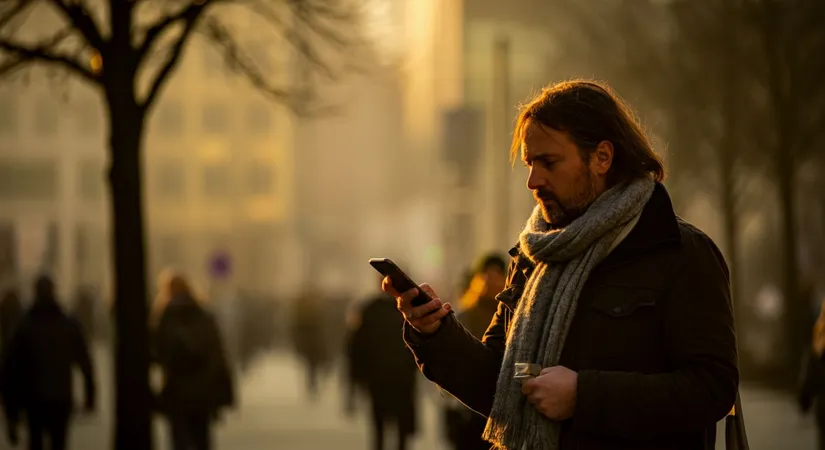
[652, 341]
[190, 352]
[37, 370]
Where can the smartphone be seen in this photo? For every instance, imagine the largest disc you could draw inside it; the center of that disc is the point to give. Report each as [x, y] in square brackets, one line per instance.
[400, 281]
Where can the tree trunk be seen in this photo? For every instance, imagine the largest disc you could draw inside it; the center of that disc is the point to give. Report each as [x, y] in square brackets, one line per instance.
[133, 407]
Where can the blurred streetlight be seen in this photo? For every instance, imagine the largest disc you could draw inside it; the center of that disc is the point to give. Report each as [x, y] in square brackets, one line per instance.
[96, 62]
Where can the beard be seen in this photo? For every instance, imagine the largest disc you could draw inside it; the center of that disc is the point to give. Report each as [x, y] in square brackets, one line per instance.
[559, 213]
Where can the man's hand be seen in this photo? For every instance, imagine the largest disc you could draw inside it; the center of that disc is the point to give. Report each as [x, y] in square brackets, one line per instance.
[553, 392]
[419, 317]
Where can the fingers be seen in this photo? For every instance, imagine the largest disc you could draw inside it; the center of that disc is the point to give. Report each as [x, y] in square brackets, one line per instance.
[428, 290]
[545, 371]
[386, 286]
[528, 387]
[420, 317]
[430, 319]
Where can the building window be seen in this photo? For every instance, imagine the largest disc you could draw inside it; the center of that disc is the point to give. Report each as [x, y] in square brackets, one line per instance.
[171, 250]
[216, 181]
[258, 119]
[88, 118]
[213, 63]
[170, 118]
[215, 118]
[46, 118]
[171, 180]
[28, 180]
[8, 115]
[260, 179]
[91, 180]
[90, 254]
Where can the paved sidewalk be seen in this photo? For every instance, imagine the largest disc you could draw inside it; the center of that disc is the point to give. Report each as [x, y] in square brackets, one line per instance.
[275, 414]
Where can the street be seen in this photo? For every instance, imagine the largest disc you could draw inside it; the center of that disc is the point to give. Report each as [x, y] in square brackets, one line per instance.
[275, 414]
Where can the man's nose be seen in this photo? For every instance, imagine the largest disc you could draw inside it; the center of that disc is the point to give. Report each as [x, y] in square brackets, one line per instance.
[534, 180]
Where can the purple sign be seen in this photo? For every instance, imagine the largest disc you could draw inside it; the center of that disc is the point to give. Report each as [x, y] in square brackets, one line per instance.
[220, 265]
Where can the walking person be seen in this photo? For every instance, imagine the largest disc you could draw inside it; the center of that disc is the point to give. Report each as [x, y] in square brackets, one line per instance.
[309, 339]
[197, 381]
[37, 371]
[381, 368]
[477, 306]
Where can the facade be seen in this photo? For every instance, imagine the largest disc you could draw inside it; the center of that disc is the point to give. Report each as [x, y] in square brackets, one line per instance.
[469, 65]
[217, 178]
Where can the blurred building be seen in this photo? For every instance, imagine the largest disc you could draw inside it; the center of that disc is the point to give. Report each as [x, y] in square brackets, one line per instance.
[469, 65]
[217, 178]
[218, 181]
[52, 197]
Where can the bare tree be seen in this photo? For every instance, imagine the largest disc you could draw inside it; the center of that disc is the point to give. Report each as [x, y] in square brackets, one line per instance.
[128, 50]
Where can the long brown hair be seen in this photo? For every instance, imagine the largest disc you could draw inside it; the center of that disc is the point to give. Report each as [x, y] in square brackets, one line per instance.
[171, 284]
[590, 112]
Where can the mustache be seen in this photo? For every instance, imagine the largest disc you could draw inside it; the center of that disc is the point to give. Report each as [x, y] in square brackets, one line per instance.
[544, 196]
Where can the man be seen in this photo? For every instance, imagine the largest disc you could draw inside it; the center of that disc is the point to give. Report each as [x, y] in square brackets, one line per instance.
[37, 376]
[478, 305]
[624, 306]
[381, 368]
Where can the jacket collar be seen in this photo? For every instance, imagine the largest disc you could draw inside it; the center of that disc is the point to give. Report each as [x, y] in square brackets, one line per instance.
[657, 226]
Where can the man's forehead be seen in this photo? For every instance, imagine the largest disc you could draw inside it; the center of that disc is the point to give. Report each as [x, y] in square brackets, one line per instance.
[538, 141]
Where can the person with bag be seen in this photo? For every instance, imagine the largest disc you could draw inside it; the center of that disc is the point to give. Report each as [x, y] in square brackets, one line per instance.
[188, 348]
[615, 329]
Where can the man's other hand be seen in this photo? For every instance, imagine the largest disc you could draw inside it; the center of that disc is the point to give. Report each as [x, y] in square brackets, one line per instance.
[553, 392]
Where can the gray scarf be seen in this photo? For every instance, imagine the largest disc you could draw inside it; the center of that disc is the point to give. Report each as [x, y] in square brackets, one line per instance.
[563, 260]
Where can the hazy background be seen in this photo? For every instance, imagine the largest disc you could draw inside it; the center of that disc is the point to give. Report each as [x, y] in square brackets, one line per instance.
[406, 156]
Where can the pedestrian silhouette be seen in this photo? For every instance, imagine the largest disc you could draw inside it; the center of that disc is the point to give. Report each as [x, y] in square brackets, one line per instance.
[37, 371]
[188, 347]
[11, 310]
[309, 338]
[477, 307]
[381, 367]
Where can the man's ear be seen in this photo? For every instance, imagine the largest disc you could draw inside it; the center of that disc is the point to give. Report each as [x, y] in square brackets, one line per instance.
[603, 157]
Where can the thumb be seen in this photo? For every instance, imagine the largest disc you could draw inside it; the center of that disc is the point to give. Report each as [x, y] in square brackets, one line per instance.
[546, 370]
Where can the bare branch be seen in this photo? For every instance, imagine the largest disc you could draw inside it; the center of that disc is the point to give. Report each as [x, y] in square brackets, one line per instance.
[218, 34]
[318, 32]
[186, 14]
[14, 11]
[77, 14]
[192, 17]
[46, 53]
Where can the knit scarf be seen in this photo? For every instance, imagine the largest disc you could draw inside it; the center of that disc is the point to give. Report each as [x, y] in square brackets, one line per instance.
[562, 260]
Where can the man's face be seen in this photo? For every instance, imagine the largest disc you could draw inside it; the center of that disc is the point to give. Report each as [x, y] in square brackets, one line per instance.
[563, 184]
